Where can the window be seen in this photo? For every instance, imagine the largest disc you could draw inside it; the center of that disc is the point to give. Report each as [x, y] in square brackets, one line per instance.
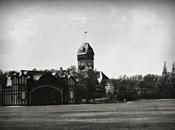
[9, 81]
[82, 64]
[23, 95]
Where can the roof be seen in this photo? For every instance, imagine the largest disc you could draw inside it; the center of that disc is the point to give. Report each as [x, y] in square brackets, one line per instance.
[85, 48]
[37, 76]
[102, 77]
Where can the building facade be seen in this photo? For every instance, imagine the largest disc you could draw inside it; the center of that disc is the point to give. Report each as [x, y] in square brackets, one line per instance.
[49, 87]
[34, 88]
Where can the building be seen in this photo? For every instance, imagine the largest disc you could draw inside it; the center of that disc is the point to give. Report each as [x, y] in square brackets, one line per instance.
[49, 87]
[2, 85]
[85, 57]
[34, 88]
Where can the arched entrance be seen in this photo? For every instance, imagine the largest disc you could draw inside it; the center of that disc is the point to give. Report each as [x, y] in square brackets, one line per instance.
[46, 95]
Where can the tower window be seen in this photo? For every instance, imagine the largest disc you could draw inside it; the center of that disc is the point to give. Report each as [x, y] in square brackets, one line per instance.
[82, 64]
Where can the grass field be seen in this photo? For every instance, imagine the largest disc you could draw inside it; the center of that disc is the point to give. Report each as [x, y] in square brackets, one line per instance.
[135, 115]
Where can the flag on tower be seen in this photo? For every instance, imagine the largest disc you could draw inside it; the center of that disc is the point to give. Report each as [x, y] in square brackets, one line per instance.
[85, 32]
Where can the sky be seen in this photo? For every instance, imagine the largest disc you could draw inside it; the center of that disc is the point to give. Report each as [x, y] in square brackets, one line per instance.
[128, 36]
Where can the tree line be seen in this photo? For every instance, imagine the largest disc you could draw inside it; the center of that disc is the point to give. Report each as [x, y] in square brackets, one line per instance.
[149, 86]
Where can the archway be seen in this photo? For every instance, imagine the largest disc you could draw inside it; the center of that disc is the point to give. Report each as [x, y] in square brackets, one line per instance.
[46, 95]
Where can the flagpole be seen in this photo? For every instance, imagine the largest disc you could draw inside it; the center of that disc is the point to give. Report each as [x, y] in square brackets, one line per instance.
[85, 35]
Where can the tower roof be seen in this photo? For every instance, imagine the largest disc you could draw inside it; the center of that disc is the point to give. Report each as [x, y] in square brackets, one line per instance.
[85, 48]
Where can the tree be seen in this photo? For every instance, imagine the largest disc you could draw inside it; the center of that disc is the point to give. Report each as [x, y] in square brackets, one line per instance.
[87, 83]
[149, 86]
[1, 72]
[34, 69]
[164, 86]
[164, 73]
[173, 81]
[166, 83]
[109, 91]
[124, 88]
[72, 70]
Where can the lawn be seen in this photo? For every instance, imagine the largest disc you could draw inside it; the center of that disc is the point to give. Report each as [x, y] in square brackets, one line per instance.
[134, 115]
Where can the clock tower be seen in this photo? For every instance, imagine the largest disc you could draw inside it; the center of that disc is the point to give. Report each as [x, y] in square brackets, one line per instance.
[85, 57]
